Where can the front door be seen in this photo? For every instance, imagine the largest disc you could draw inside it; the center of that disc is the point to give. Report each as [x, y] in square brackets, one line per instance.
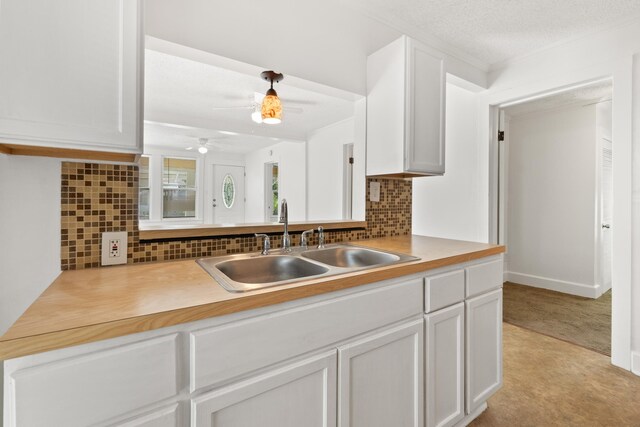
[228, 194]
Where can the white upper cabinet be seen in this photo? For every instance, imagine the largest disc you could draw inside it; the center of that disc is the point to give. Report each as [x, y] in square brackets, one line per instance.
[405, 110]
[71, 74]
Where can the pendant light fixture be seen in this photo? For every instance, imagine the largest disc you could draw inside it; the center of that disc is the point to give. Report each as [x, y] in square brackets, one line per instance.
[271, 105]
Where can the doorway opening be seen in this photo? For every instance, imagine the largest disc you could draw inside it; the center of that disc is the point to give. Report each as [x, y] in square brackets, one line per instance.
[554, 213]
[271, 182]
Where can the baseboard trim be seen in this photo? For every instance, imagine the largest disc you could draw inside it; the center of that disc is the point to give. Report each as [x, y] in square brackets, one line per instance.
[635, 363]
[573, 288]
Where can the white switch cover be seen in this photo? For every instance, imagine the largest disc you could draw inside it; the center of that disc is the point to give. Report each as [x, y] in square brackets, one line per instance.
[374, 191]
[114, 248]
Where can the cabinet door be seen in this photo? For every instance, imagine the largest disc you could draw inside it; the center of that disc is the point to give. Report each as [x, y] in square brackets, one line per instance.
[299, 394]
[484, 348]
[71, 74]
[380, 379]
[425, 119]
[444, 353]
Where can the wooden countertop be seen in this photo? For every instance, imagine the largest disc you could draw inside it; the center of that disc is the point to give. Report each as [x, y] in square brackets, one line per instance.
[90, 305]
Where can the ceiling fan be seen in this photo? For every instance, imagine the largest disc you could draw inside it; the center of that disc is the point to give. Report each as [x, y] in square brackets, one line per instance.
[204, 144]
[254, 103]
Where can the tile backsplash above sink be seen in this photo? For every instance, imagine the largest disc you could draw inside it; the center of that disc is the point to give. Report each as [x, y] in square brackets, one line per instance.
[104, 197]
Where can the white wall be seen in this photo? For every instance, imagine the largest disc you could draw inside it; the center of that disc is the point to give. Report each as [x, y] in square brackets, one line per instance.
[290, 157]
[551, 209]
[29, 232]
[325, 160]
[635, 273]
[603, 54]
[450, 206]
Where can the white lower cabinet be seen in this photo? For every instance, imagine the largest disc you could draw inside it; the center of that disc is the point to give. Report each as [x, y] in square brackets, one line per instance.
[299, 394]
[164, 417]
[444, 361]
[355, 358]
[380, 379]
[484, 348]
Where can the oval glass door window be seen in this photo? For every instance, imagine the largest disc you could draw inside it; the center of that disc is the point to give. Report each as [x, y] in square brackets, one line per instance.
[228, 191]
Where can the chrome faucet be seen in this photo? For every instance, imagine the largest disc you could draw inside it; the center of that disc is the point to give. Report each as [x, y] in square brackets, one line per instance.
[320, 237]
[284, 219]
[304, 240]
[266, 244]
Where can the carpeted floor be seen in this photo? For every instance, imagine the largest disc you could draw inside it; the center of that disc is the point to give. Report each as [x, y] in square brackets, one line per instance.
[582, 321]
[549, 382]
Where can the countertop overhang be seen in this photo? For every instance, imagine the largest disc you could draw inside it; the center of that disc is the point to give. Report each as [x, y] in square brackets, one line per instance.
[84, 306]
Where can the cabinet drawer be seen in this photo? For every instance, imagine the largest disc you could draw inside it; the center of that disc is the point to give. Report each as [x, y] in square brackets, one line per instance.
[221, 353]
[484, 277]
[443, 290]
[95, 387]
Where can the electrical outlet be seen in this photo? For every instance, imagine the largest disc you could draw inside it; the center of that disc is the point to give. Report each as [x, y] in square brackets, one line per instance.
[114, 248]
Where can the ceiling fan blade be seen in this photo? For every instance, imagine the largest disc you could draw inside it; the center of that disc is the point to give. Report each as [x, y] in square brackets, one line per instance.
[238, 107]
[294, 110]
[189, 148]
[297, 101]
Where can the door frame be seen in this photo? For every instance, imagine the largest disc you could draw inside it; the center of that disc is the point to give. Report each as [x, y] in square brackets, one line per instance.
[621, 72]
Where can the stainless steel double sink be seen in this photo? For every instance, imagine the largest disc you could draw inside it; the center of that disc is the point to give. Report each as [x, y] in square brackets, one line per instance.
[249, 272]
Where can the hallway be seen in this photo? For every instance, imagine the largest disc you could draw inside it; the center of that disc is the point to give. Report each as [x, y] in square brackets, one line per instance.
[582, 321]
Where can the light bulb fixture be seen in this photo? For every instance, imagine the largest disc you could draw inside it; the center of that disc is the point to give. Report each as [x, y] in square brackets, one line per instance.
[271, 110]
[203, 145]
[256, 115]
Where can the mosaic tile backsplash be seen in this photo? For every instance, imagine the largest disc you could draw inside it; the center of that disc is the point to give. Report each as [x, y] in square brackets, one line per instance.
[100, 197]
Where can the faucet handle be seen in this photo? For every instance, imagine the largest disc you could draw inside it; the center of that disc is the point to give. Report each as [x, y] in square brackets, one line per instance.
[320, 237]
[266, 243]
[304, 241]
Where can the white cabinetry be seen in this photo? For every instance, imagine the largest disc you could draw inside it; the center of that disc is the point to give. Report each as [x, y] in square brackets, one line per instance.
[445, 366]
[463, 345]
[355, 357]
[94, 387]
[484, 348]
[380, 379]
[299, 394]
[405, 110]
[71, 74]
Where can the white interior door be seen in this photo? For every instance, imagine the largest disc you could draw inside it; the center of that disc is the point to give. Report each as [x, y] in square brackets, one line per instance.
[228, 194]
[606, 214]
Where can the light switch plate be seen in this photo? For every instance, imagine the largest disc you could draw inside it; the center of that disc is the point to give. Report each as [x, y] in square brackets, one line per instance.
[374, 191]
[114, 248]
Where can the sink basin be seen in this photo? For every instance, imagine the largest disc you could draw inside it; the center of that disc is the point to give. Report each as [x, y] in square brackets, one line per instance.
[269, 269]
[249, 272]
[241, 273]
[350, 257]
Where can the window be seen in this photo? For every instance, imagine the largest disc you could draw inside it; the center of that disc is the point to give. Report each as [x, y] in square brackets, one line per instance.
[144, 189]
[228, 191]
[178, 188]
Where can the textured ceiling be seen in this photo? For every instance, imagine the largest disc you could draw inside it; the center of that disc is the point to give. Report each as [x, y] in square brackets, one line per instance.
[495, 30]
[580, 96]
